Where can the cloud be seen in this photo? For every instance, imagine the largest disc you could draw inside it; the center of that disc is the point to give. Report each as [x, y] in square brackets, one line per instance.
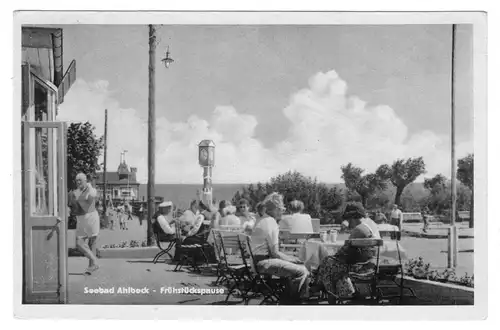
[328, 128]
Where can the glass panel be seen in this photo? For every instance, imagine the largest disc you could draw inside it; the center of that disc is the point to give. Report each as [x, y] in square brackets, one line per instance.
[41, 102]
[42, 168]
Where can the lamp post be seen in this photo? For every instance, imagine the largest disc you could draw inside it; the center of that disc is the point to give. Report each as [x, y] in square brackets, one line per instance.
[151, 127]
[206, 159]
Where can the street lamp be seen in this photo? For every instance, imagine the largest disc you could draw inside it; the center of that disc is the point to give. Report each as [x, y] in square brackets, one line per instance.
[206, 159]
[167, 60]
[152, 126]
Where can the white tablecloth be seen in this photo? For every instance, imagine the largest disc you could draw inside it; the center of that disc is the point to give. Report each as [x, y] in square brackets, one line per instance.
[313, 251]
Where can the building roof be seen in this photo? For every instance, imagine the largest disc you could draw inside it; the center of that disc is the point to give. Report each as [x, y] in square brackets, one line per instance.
[113, 178]
[206, 143]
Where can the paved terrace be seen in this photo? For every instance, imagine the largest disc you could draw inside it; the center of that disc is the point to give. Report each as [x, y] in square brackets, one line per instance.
[142, 273]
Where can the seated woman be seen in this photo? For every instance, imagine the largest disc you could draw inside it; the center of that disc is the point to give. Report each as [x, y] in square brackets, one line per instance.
[247, 218]
[228, 217]
[218, 216]
[265, 247]
[333, 270]
[297, 222]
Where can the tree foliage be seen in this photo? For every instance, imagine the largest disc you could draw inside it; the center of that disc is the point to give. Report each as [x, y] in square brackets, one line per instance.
[465, 173]
[439, 199]
[319, 200]
[403, 172]
[84, 149]
[365, 185]
[438, 182]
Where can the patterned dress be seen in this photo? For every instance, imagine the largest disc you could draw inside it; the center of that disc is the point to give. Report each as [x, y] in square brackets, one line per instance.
[333, 272]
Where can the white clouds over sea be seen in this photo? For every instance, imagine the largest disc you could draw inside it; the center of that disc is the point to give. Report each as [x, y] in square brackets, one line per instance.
[328, 128]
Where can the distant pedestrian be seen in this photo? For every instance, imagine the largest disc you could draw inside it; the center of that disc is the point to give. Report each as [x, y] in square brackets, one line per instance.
[141, 215]
[396, 220]
[128, 210]
[425, 218]
[380, 217]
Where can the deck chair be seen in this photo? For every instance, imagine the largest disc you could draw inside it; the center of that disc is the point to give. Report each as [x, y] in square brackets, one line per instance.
[270, 287]
[188, 253]
[161, 240]
[388, 279]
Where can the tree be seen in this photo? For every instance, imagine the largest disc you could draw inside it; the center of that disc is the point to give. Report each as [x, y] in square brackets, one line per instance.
[465, 173]
[438, 182]
[403, 172]
[319, 200]
[84, 149]
[365, 185]
[440, 198]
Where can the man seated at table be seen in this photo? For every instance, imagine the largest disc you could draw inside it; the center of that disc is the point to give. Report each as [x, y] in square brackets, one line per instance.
[297, 222]
[265, 247]
[164, 218]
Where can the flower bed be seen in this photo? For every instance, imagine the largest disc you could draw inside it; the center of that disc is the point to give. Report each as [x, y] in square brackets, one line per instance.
[126, 244]
[418, 269]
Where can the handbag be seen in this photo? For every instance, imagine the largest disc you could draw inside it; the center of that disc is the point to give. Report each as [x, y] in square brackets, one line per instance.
[344, 287]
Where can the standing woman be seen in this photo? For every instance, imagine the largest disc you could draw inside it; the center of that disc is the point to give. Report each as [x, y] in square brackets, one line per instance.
[87, 219]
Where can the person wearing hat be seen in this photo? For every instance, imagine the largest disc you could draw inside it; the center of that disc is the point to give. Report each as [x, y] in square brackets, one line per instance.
[164, 217]
[247, 219]
[333, 271]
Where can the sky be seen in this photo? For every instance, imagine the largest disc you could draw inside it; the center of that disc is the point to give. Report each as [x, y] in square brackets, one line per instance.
[274, 98]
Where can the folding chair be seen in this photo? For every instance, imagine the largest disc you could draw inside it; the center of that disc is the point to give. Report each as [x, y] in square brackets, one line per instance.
[233, 228]
[221, 276]
[161, 237]
[190, 252]
[232, 267]
[360, 273]
[271, 287]
[388, 275]
[222, 262]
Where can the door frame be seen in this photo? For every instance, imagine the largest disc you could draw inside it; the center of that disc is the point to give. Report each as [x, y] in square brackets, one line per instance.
[58, 186]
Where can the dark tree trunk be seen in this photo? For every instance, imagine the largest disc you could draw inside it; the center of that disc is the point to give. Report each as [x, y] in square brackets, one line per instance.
[399, 192]
[471, 212]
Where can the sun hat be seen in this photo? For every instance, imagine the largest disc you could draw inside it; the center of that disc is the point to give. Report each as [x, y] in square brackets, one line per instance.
[166, 204]
[354, 210]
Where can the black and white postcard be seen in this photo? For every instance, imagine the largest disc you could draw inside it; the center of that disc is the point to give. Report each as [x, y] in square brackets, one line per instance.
[248, 160]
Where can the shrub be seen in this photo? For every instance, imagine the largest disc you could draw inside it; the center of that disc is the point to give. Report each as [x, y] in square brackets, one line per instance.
[319, 200]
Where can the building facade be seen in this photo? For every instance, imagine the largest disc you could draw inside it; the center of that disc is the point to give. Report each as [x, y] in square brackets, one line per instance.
[121, 184]
[43, 165]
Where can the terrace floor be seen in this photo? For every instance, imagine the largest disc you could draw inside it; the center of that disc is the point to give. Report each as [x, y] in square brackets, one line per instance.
[143, 274]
